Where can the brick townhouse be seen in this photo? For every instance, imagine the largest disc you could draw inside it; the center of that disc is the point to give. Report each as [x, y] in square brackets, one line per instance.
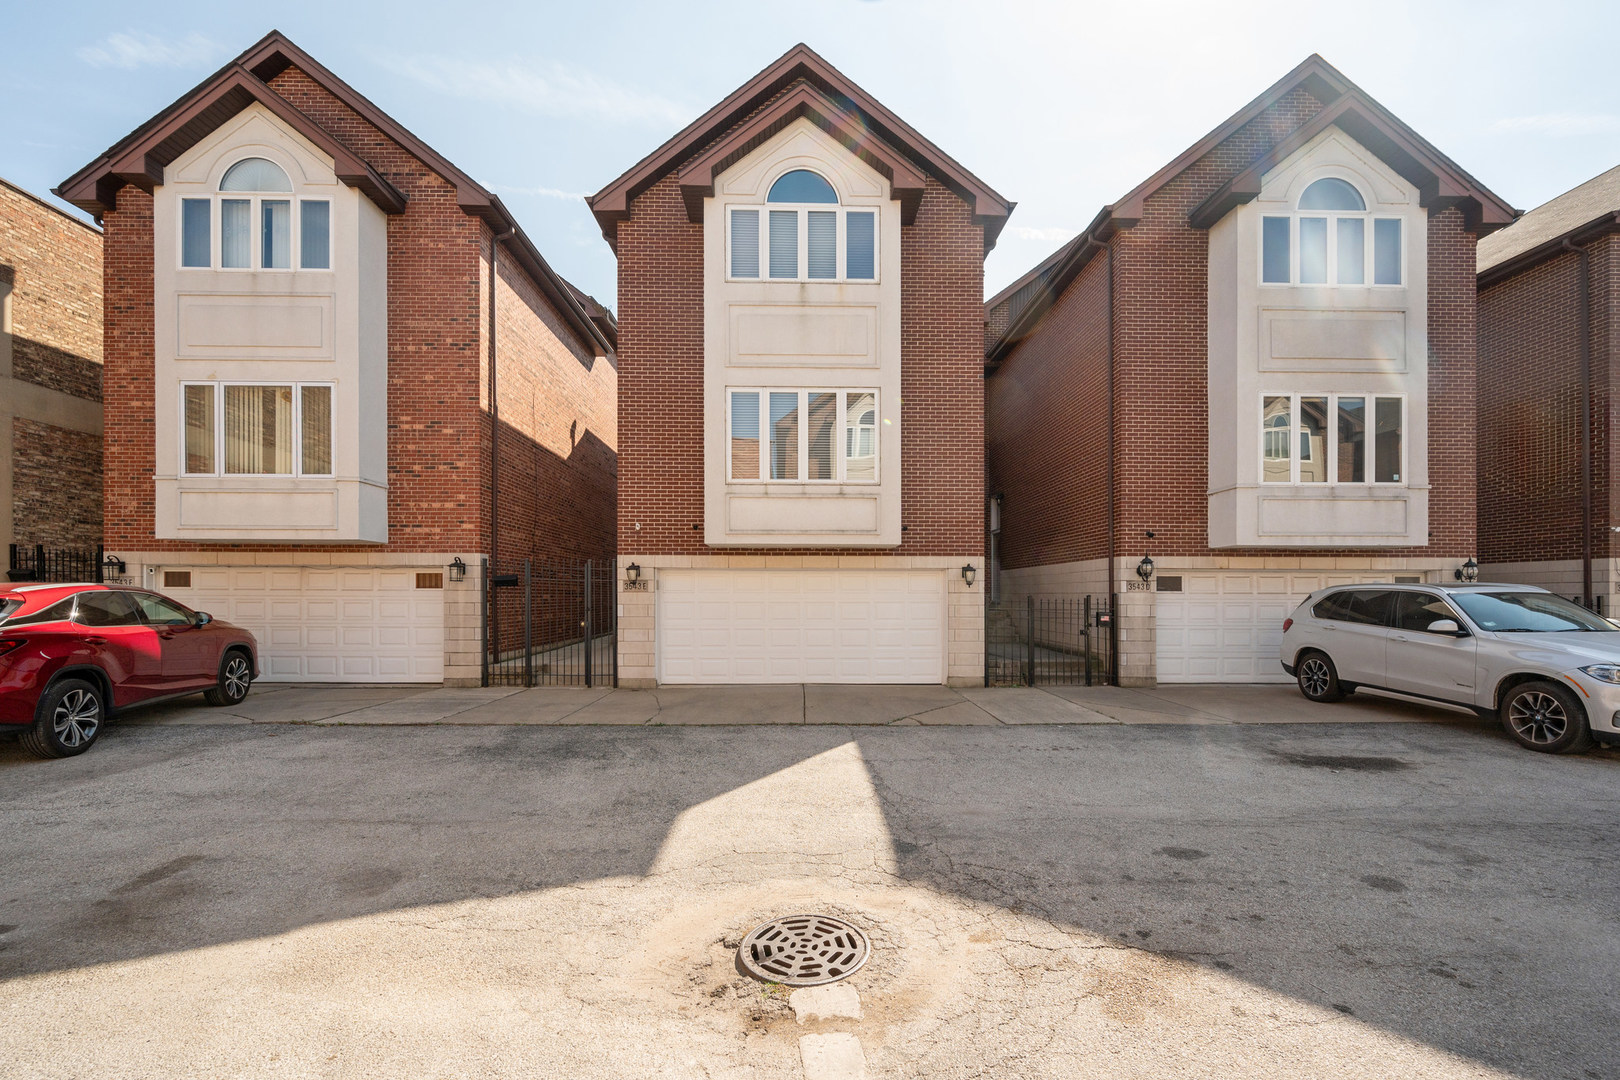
[801, 399]
[319, 335]
[1256, 368]
[1549, 297]
[50, 375]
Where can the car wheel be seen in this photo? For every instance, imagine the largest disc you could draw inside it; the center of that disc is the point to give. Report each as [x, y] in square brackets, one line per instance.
[67, 720]
[1318, 680]
[1543, 716]
[235, 676]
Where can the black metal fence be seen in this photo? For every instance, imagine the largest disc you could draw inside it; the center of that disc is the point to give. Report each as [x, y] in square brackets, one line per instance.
[1050, 641]
[551, 624]
[36, 562]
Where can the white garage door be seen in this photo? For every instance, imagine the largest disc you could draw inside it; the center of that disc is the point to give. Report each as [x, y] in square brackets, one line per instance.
[326, 625]
[1227, 627]
[784, 626]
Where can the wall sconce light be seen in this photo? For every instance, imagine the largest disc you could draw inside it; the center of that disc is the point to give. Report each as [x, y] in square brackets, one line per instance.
[1468, 571]
[968, 574]
[1144, 569]
[632, 572]
[458, 569]
[113, 566]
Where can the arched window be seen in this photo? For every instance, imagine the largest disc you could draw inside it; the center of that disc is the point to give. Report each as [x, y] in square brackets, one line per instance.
[801, 241]
[271, 245]
[802, 186]
[1334, 242]
[255, 174]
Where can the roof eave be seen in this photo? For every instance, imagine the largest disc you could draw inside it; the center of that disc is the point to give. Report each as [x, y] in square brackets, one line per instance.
[1608, 222]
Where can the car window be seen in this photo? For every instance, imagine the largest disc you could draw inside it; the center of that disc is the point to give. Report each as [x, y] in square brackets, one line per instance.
[1528, 612]
[1369, 607]
[61, 611]
[105, 609]
[161, 612]
[1416, 610]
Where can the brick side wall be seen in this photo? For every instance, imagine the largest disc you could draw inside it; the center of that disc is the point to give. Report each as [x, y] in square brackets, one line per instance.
[1162, 418]
[661, 380]
[438, 350]
[1054, 486]
[54, 263]
[1528, 412]
[56, 485]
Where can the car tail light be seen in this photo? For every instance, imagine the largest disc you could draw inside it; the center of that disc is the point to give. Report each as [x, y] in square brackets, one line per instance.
[1287, 623]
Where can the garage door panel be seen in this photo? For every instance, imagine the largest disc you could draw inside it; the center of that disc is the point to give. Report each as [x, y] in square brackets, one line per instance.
[328, 624]
[801, 626]
[1226, 627]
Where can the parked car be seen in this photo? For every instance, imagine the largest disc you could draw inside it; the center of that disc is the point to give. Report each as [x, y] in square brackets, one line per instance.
[1547, 667]
[73, 655]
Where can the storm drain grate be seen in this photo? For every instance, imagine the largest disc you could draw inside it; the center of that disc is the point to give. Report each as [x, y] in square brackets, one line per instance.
[803, 950]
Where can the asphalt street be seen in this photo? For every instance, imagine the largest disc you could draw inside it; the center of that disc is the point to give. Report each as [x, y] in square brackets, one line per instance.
[1356, 900]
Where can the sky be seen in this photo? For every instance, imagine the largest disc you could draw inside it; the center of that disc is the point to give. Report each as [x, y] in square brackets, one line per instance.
[1061, 107]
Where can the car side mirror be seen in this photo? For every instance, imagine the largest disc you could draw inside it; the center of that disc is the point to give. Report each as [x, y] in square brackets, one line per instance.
[1446, 626]
[203, 618]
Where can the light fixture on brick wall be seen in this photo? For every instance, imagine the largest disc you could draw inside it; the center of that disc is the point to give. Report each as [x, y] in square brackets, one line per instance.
[458, 569]
[1468, 571]
[1144, 569]
[968, 574]
[632, 572]
[113, 566]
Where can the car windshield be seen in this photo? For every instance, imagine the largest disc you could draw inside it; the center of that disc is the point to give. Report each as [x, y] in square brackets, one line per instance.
[1528, 612]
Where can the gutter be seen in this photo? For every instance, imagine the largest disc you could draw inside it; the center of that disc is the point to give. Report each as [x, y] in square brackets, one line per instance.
[1583, 313]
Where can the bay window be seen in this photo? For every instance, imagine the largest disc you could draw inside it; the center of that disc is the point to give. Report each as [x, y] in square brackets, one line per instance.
[256, 229]
[1334, 245]
[789, 435]
[1323, 439]
[256, 429]
[802, 234]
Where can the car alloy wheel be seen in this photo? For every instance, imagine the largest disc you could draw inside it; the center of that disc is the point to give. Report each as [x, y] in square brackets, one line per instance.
[1538, 718]
[1314, 677]
[76, 718]
[237, 677]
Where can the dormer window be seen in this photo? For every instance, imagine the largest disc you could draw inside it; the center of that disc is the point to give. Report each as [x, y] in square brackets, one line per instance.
[1330, 240]
[806, 235]
[255, 213]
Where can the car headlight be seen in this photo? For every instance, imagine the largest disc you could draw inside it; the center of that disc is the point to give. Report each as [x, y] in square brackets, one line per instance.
[1609, 673]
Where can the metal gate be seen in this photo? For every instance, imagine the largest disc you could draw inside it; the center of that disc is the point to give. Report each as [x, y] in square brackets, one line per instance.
[551, 624]
[1050, 641]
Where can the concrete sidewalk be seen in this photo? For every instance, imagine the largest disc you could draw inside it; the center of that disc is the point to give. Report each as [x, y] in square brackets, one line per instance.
[790, 704]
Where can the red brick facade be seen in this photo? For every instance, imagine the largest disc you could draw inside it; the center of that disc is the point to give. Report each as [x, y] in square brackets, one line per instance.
[557, 437]
[1048, 423]
[50, 265]
[1528, 415]
[661, 366]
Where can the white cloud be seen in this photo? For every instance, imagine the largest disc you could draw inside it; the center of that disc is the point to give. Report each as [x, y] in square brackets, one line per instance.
[1560, 125]
[1050, 236]
[546, 192]
[136, 49]
[554, 90]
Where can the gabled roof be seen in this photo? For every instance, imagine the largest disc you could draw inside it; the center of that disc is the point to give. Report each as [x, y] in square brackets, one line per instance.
[1440, 181]
[140, 157]
[1591, 208]
[829, 99]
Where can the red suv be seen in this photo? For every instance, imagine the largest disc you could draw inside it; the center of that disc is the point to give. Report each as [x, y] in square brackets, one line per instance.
[72, 655]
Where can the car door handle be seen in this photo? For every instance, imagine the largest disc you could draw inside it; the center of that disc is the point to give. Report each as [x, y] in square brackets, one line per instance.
[1399, 637]
[94, 640]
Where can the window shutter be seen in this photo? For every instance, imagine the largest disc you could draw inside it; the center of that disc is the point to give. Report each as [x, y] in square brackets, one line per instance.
[860, 241]
[784, 243]
[745, 243]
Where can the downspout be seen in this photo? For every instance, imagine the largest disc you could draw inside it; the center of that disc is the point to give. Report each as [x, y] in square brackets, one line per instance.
[1583, 310]
[495, 240]
[1113, 605]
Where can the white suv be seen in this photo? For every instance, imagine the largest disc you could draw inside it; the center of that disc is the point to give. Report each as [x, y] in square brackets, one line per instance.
[1547, 667]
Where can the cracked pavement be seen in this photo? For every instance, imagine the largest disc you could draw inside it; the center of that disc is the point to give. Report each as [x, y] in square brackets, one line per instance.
[1398, 899]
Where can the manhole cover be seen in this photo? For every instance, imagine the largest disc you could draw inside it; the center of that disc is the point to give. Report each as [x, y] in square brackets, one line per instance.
[803, 950]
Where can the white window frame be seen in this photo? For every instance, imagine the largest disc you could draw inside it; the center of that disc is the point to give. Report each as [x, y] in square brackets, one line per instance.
[1295, 430]
[801, 209]
[218, 386]
[840, 457]
[1293, 217]
[216, 233]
